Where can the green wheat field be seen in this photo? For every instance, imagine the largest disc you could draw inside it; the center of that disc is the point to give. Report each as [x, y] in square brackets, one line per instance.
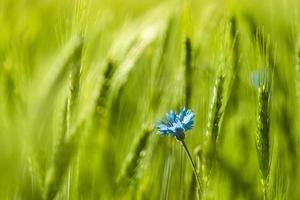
[83, 84]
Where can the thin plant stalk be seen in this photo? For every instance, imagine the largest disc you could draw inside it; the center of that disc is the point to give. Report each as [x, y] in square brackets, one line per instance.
[298, 72]
[193, 165]
[193, 185]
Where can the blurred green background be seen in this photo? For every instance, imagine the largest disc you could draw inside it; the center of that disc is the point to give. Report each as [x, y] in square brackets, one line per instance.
[82, 83]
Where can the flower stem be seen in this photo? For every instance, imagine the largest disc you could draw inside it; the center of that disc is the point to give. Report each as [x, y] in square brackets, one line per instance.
[265, 188]
[193, 166]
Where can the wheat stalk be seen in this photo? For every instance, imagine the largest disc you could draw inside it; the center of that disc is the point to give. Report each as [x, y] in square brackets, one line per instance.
[216, 112]
[67, 147]
[188, 72]
[134, 156]
[262, 136]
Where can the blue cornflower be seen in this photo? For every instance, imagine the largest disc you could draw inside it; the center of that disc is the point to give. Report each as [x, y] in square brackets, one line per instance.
[261, 77]
[177, 124]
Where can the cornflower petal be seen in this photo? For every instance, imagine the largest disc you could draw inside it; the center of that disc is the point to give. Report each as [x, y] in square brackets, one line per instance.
[176, 125]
